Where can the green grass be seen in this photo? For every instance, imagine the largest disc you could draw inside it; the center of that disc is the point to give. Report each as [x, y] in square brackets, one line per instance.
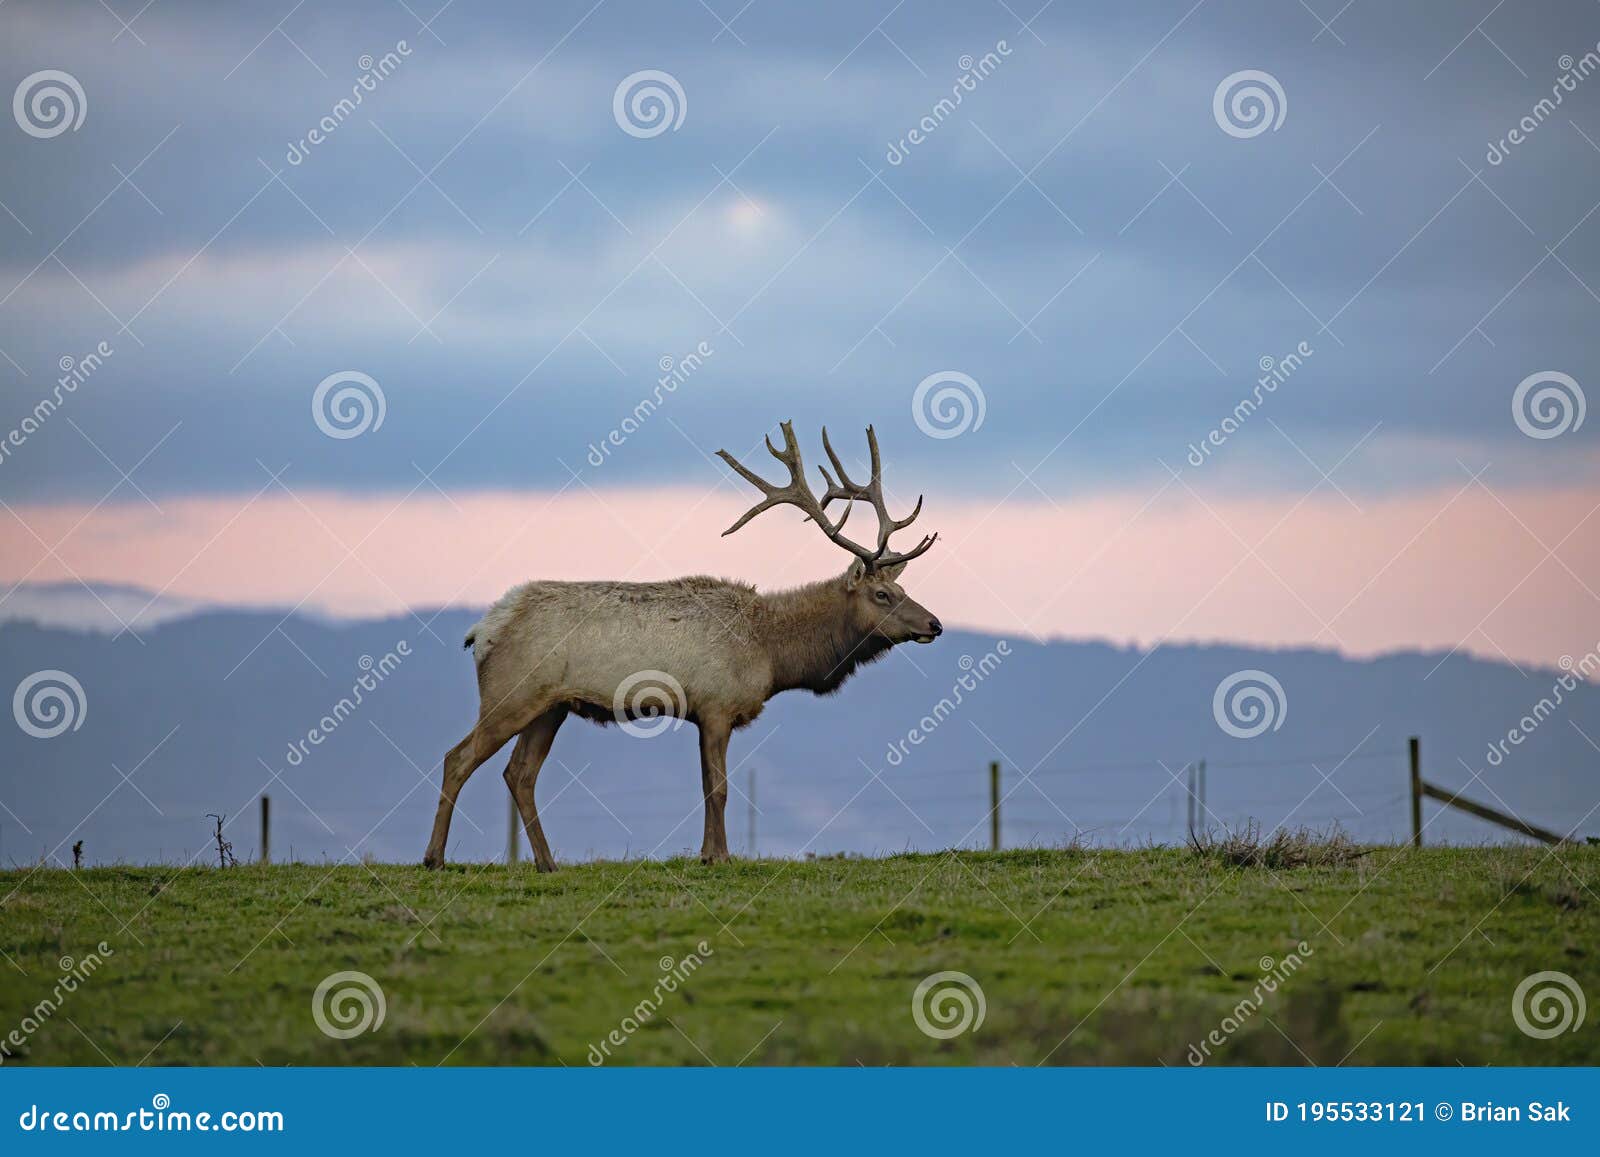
[1084, 957]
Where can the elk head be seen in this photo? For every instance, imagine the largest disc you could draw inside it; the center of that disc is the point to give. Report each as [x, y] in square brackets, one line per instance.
[876, 605]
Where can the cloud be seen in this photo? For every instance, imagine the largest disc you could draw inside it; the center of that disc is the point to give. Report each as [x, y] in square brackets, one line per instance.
[516, 300]
[1434, 569]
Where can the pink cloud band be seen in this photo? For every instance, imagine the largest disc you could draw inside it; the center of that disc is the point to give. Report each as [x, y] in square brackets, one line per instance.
[1493, 573]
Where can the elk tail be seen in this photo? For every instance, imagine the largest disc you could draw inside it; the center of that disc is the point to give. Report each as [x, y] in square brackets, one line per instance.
[478, 642]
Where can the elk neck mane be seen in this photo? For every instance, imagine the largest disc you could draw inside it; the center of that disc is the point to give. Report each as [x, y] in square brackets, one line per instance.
[809, 639]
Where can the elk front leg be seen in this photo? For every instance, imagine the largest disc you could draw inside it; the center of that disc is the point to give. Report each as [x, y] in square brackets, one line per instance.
[714, 736]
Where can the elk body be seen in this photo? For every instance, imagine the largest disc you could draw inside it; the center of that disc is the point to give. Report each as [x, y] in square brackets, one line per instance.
[705, 650]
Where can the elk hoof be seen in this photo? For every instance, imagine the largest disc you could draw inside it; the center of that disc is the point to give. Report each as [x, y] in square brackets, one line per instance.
[432, 862]
[545, 865]
[714, 857]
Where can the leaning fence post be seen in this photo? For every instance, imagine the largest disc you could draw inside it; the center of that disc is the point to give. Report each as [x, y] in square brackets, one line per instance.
[994, 807]
[1416, 792]
[266, 830]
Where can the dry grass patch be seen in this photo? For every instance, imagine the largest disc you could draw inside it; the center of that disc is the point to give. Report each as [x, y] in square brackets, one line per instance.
[1281, 848]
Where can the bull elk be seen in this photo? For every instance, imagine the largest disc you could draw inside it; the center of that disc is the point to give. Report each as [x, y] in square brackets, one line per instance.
[701, 649]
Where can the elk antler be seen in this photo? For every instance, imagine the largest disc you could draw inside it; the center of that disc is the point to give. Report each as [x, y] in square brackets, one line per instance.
[798, 493]
[872, 492]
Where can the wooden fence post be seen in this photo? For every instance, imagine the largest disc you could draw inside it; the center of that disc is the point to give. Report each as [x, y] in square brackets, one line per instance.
[266, 830]
[1189, 796]
[1416, 792]
[994, 807]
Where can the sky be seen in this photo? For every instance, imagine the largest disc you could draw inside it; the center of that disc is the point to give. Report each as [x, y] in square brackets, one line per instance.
[419, 356]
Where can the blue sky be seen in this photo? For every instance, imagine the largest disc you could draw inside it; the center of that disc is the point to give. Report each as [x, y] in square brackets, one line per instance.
[1095, 243]
[1154, 258]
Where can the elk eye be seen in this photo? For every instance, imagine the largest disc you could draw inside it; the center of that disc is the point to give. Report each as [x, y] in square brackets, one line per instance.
[882, 597]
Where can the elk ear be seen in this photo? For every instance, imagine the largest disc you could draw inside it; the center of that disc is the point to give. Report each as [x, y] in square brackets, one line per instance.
[892, 573]
[853, 576]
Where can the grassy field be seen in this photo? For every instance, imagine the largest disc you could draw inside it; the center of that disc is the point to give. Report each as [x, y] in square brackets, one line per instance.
[1083, 957]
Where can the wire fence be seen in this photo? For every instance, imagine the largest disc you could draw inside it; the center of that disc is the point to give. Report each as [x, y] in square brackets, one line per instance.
[1152, 800]
[772, 812]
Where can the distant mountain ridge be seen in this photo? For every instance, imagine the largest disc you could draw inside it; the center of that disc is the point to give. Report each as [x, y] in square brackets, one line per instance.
[204, 710]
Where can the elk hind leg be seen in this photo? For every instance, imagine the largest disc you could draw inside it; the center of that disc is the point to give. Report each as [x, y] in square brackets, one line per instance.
[533, 746]
[488, 737]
